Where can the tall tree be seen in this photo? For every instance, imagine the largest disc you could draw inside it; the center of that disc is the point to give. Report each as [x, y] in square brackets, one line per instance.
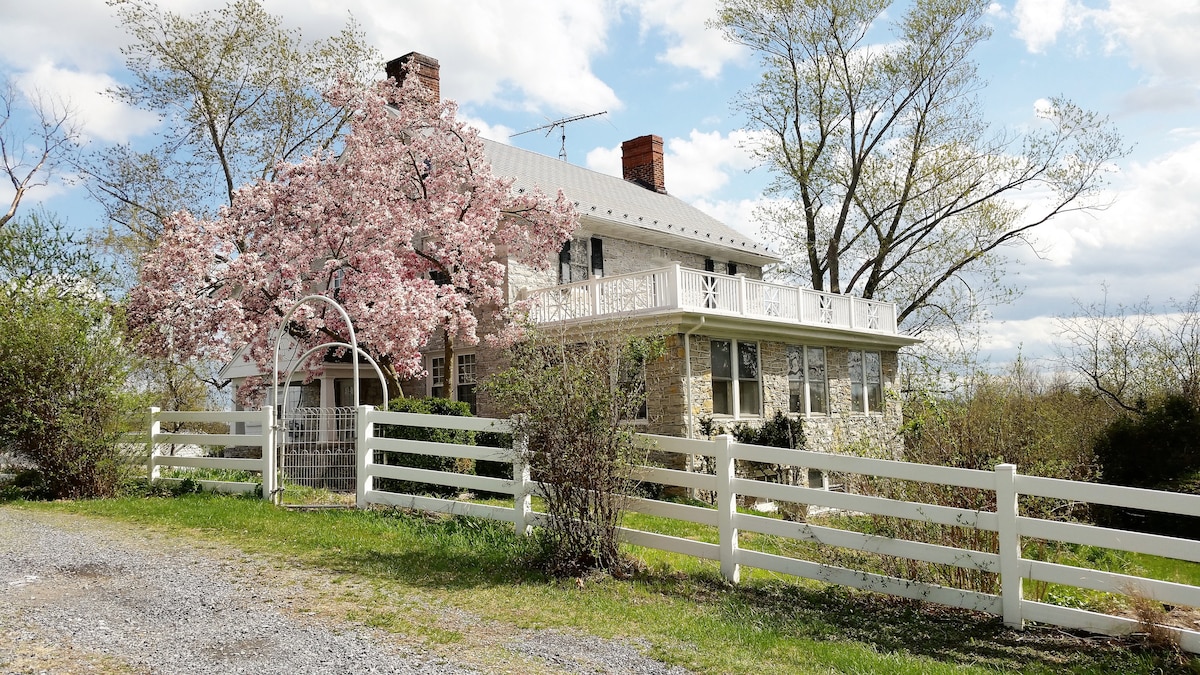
[889, 183]
[238, 93]
[31, 153]
[403, 227]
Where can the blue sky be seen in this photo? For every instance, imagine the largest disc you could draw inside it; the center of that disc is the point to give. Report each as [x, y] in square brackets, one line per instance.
[517, 64]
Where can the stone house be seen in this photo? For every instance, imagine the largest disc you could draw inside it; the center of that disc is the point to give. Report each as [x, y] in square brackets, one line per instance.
[739, 348]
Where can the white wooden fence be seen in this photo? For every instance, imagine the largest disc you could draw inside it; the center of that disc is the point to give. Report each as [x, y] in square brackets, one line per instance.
[260, 423]
[1006, 521]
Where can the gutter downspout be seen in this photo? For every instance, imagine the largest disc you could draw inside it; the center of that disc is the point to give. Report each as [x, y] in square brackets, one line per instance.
[687, 374]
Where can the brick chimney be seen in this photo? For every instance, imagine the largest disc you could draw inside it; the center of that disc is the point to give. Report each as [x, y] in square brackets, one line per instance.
[642, 162]
[427, 69]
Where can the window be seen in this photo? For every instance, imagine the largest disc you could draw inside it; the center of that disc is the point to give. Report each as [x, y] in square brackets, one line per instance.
[437, 374]
[807, 384]
[597, 246]
[564, 263]
[465, 386]
[866, 382]
[466, 380]
[735, 381]
[370, 391]
[731, 269]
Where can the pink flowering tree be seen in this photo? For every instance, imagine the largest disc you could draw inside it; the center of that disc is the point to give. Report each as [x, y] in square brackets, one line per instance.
[406, 227]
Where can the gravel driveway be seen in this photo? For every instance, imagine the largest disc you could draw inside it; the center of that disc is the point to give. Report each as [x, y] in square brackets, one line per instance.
[80, 595]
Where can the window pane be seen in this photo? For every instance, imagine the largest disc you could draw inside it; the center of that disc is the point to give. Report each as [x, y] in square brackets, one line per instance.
[856, 368]
[721, 364]
[749, 401]
[856, 397]
[466, 369]
[871, 366]
[795, 358]
[597, 257]
[875, 397]
[818, 402]
[466, 394]
[747, 360]
[722, 397]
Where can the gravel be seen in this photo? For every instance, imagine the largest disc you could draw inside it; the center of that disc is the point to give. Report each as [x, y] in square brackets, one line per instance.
[78, 595]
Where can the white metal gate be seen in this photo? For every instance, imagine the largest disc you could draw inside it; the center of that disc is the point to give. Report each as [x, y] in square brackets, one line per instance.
[317, 448]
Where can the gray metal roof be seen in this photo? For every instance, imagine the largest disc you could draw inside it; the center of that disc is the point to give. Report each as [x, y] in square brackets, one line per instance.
[608, 199]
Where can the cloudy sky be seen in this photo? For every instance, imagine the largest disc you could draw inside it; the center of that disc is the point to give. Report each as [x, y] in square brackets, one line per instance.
[654, 68]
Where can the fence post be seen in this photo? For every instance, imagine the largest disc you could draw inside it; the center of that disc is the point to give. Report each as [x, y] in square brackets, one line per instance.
[1011, 581]
[155, 429]
[364, 432]
[522, 500]
[726, 508]
[270, 465]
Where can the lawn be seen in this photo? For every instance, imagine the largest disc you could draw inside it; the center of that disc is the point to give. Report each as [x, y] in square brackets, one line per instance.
[679, 608]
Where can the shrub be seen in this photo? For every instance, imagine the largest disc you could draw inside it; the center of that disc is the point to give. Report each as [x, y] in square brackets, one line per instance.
[426, 406]
[573, 402]
[63, 368]
[1159, 449]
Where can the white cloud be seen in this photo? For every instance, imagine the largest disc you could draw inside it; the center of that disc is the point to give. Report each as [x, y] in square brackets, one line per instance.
[542, 50]
[1160, 36]
[1040, 21]
[492, 132]
[699, 165]
[76, 33]
[691, 44]
[605, 160]
[696, 167]
[99, 117]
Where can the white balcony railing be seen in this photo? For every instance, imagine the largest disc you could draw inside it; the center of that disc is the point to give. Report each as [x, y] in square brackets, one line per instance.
[675, 288]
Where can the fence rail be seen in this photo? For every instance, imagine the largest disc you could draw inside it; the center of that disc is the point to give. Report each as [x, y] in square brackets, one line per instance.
[1009, 526]
[264, 439]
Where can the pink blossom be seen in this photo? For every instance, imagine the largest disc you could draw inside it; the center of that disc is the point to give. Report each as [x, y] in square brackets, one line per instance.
[411, 194]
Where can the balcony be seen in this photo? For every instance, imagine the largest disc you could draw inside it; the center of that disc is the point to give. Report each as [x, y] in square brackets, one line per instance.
[676, 288]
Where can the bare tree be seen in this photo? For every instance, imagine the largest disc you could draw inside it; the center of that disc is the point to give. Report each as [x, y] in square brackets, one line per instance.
[31, 153]
[1133, 355]
[889, 182]
[239, 93]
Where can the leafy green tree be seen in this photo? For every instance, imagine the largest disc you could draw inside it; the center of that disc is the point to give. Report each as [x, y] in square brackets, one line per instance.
[889, 182]
[63, 365]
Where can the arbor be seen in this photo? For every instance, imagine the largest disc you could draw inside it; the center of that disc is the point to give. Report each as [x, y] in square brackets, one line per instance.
[888, 181]
[403, 228]
[238, 93]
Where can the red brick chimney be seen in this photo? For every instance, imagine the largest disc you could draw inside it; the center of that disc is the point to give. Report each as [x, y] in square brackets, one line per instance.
[427, 69]
[642, 162]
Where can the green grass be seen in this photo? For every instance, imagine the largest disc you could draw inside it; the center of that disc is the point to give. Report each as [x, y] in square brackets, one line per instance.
[401, 571]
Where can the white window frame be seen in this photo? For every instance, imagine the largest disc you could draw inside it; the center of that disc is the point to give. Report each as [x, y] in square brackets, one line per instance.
[437, 374]
[806, 381]
[872, 403]
[735, 396]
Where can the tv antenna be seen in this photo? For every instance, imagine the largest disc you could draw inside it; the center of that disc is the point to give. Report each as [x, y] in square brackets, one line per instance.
[560, 124]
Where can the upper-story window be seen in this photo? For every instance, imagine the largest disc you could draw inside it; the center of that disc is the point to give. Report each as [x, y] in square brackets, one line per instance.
[807, 380]
[564, 263]
[597, 250]
[735, 378]
[866, 382]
